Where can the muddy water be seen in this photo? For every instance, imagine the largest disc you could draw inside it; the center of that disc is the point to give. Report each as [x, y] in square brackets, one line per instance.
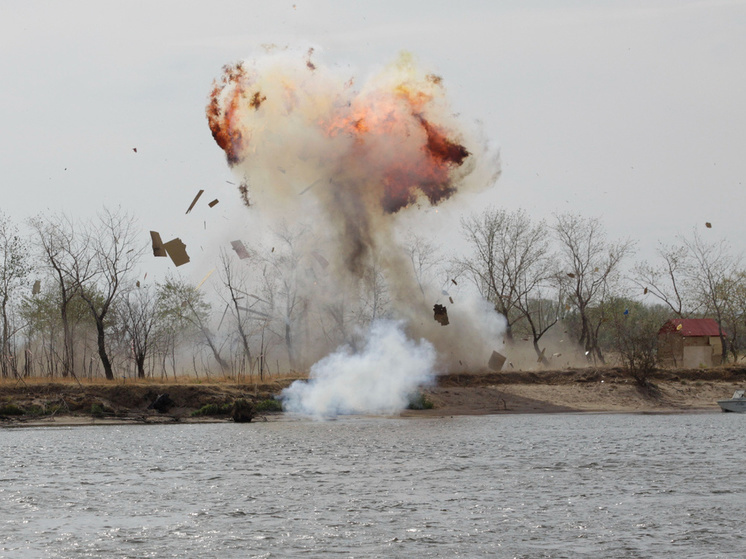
[496, 486]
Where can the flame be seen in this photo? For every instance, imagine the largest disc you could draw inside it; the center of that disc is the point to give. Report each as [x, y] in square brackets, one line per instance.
[382, 137]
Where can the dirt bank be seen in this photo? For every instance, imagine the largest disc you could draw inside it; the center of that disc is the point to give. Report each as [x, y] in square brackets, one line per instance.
[575, 390]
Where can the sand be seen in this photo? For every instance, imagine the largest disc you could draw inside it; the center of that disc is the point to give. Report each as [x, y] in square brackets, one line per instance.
[602, 390]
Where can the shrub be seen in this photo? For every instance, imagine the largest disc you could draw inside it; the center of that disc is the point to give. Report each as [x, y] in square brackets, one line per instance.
[11, 409]
[242, 411]
[268, 405]
[97, 410]
[420, 402]
[213, 409]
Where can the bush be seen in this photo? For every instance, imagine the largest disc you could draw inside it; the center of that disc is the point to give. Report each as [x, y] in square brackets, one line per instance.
[213, 409]
[11, 409]
[97, 410]
[268, 405]
[242, 411]
[420, 402]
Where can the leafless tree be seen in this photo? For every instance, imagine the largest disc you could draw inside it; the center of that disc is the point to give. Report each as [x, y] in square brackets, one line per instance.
[181, 304]
[668, 281]
[510, 260]
[138, 315]
[56, 239]
[108, 251]
[236, 297]
[423, 256]
[13, 272]
[711, 269]
[592, 267]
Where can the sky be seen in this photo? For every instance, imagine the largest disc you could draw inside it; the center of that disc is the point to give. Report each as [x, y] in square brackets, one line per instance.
[632, 112]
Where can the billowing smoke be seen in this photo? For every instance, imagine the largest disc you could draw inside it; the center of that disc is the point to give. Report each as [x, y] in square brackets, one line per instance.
[347, 160]
[378, 378]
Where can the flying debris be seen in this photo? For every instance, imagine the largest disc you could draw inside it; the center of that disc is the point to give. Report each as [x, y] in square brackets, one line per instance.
[158, 249]
[570, 275]
[134, 149]
[177, 251]
[496, 362]
[37, 288]
[194, 201]
[240, 249]
[454, 282]
[213, 203]
[645, 291]
[450, 299]
[440, 314]
[137, 283]
[323, 262]
[204, 279]
[708, 225]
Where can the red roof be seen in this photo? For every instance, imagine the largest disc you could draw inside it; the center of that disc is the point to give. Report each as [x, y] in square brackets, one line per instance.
[691, 327]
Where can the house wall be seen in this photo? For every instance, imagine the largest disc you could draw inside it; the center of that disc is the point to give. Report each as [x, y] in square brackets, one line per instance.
[675, 350]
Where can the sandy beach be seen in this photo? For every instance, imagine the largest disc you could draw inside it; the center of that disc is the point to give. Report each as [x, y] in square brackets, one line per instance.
[600, 390]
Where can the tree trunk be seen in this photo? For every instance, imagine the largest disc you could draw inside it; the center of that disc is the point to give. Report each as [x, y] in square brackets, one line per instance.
[140, 362]
[102, 350]
[539, 353]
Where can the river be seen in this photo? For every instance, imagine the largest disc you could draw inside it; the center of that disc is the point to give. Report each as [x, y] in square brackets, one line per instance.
[527, 486]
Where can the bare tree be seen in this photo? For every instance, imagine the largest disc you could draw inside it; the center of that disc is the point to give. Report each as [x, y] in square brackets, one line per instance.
[102, 264]
[234, 281]
[667, 281]
[592, 267]
[138, 315]
[711, 267]
[511, 258]
[181, 304]
[423, 256]
[13, 271]
[56, 238]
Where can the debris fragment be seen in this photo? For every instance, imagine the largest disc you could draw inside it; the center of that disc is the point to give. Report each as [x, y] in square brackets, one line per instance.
[440, 314]
[570, 275]
[37, 288]
[323, 262]
[158, 249]
[708, 225]
[213, 203]
[496, 362]
[177, 251]
[240, 249]
[645, 291]
[309, 187]
[137, 283]
[195, 200]
[680, 326]
[454, 282]
[541, 357]
[204, 279]
[134, 149]
[450, 299]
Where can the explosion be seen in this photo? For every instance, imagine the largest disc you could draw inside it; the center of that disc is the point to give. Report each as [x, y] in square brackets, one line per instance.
[347, 161]
[388, 138]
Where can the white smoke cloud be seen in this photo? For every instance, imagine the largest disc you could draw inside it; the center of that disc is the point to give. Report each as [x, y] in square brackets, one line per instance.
[378, 379]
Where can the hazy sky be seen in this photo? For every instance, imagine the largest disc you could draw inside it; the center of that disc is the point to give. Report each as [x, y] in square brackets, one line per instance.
[634, 112]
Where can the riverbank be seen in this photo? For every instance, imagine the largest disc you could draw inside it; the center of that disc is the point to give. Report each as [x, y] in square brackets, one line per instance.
[32, 402]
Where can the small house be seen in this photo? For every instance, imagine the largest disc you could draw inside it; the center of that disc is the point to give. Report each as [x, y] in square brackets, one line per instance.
[690, 343]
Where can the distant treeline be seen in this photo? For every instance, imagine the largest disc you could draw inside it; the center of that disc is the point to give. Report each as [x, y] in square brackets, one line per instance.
[72, 304]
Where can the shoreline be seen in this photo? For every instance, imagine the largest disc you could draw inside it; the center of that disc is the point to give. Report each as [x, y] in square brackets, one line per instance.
[591, 390]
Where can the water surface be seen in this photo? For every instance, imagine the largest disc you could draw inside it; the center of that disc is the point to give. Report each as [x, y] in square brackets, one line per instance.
[568, 485]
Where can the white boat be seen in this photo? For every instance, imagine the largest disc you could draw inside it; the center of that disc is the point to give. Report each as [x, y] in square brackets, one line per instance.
[736, 404]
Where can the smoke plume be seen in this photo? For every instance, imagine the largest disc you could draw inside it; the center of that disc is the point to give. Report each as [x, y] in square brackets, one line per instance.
[346, 160]
[378, 378]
